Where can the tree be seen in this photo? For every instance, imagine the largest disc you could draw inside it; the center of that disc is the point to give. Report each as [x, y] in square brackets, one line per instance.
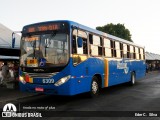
[118, 30]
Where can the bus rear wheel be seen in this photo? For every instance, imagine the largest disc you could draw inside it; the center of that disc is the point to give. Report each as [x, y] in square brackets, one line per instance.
[133, 79]
[94, 91]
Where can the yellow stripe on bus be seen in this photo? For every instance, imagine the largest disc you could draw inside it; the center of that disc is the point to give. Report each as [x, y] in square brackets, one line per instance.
[106, 69]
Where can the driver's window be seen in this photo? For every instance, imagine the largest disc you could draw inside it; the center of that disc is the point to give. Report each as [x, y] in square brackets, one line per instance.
[75, 48]
[79, 53]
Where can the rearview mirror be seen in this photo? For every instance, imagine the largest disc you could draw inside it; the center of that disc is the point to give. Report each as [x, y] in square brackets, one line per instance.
[13, 40]
[80, 42]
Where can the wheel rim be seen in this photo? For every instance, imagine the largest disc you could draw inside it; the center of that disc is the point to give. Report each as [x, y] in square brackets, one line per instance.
[94, 87]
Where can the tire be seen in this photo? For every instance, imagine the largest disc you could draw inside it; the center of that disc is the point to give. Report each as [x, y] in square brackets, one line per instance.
[133, 79]
[94, 90]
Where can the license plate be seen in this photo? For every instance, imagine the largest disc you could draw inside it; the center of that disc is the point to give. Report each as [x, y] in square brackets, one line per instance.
[38, 89]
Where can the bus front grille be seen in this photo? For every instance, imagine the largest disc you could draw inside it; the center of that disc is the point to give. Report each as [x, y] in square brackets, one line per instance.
[41, 75]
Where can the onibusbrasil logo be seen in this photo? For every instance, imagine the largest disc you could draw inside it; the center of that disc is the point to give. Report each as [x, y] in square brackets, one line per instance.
[10, 110]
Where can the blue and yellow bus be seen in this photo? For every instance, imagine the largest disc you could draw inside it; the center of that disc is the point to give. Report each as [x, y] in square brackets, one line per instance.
[66, 58]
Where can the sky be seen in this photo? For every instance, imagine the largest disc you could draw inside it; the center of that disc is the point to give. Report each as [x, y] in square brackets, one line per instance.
[141, 17]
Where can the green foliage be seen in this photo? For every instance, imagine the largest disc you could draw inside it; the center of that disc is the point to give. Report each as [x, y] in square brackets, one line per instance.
[118, 30]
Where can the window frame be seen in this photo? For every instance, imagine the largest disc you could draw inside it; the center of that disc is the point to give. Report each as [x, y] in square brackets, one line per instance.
[99, 49]
[105, 46]
[83, 37]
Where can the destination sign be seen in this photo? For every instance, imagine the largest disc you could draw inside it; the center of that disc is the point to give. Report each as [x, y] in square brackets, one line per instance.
[43, 28]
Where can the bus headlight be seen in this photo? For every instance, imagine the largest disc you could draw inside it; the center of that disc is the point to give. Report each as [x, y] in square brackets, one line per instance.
[62, 80]
[21, 79]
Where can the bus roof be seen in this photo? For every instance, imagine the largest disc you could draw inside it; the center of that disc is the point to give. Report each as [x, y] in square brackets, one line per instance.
[83, 27]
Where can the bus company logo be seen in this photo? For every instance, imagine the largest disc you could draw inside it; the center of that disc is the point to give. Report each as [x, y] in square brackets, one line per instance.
[8, 110]
[123, 65]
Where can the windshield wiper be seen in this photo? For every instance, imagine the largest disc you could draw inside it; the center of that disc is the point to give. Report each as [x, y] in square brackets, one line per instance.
[48, 41]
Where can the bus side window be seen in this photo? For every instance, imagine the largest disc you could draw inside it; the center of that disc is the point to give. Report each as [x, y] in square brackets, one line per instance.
[137, 53]
[128, 51]
[95, 45]
[91, 39]
[131, 52]
[124, 50]
[142, 53]
[107, 48]
[85, 46]
[100, 47]
[134, 54]
[74, 50]
[80, 54]
[117, 48]
[121, 49]
[112, 48]
[91, 42]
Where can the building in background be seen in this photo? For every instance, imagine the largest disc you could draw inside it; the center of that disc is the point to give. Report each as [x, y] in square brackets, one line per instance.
[7, 53]
[152, 61]
[6, 37]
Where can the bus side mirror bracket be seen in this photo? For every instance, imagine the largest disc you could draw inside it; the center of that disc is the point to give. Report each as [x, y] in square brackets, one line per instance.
[80, 42]
[13, 38]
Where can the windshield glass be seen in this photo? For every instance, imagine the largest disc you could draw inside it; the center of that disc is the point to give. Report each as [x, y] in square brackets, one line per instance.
[46, 50]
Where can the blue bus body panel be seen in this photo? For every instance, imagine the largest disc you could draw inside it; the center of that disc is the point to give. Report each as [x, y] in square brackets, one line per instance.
[117, 76]
[82, 74]
[80, 82]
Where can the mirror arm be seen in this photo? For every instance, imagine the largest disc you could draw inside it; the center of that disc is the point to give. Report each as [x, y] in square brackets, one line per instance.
[13, 37]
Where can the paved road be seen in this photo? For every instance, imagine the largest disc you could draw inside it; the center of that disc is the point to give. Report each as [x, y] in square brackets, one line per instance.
[144, 96]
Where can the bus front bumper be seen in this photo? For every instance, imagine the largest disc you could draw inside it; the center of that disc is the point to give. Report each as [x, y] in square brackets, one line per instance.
[46, 89]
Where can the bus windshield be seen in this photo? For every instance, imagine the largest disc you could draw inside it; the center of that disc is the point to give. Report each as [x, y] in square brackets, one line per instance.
[44, 50]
